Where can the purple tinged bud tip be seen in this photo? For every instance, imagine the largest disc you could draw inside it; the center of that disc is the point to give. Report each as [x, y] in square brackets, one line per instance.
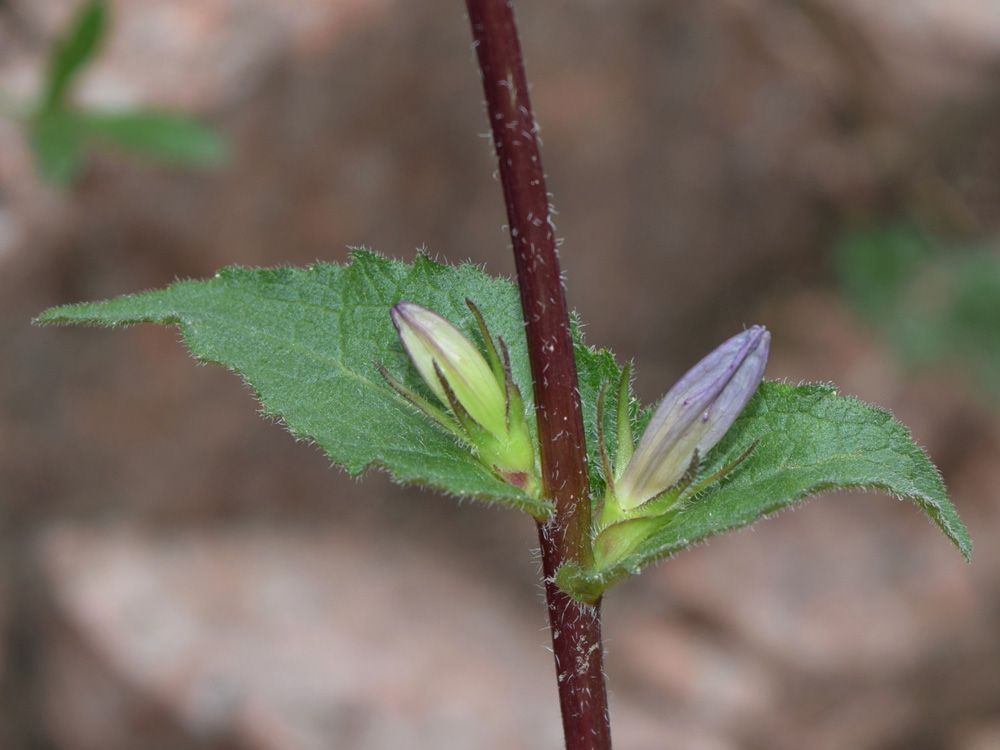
[694, 415]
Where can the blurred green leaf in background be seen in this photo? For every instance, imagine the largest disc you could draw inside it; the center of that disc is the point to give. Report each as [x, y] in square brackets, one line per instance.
[933, 300]
[164, 136]
[62, 134]
[71, 53]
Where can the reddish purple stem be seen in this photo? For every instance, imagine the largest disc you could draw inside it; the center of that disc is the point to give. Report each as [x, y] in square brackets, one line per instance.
[576, 628]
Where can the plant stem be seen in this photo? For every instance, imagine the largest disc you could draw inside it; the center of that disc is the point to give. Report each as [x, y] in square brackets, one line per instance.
[576, 628]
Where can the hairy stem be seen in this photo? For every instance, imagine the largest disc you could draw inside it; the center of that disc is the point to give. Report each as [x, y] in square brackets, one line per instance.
[576, 628]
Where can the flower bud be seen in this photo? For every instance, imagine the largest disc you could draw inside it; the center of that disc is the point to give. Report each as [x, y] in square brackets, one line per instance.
[486, 405]
[445, 358]
[694, 416]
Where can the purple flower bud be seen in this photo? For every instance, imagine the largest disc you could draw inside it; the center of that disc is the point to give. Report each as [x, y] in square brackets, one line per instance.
[694, 416]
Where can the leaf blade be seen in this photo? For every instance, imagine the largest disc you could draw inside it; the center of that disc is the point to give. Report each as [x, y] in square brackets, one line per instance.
[305, 341]
[811, 440]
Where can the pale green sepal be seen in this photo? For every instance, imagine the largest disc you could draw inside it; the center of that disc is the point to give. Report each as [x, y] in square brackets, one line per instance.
[420, 402]
[491, 351]
[595, 368]
[626, 443]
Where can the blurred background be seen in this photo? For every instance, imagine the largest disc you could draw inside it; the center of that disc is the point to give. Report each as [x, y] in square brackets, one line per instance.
[176, 573]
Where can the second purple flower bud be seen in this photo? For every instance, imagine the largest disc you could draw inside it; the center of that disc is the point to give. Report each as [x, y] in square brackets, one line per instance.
[691, 419]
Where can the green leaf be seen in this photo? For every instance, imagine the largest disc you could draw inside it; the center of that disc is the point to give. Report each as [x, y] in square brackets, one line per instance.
[57, 143]
[305, 341]
[810, 440]
[165, 136]
[73, 51]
